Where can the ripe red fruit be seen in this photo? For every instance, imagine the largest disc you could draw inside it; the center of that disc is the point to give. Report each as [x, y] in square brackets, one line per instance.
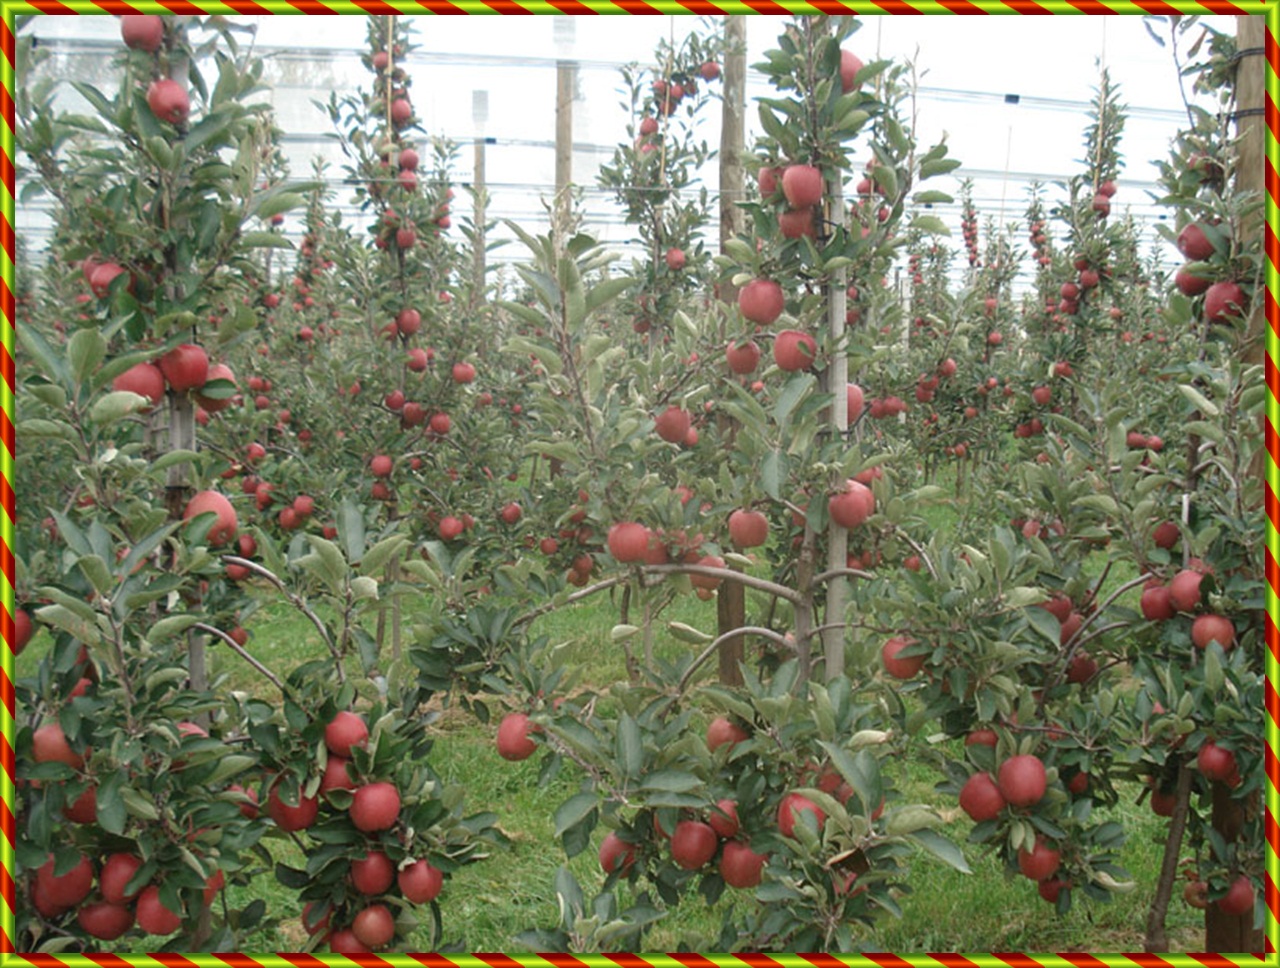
[789, 810]
[721, 731]
[709, 71]
[291, 818]
[1051, 888]
[1155, 604]
[851, 506]
[375, 806]
[185, 367]
[374, 926]
[742, 358]
[1215, 762]
[49, 745]
[85, 807]
[144, 379]
[336, 776]
[153, 916]
[674, 259]
[344, 731]
[401, 111]
[1213, 628]
[672, 425]
[628, 541]
[1041, 862]
[748, 529]
[168, 100]
[1239, 899]
[515, 742]
[854, 402]
[981, 737]
[1184, 590]
[344, 942]
[420, 882]
[740, 866]
[115, 876]
[1022, 782]
[1190, 285]
[408, 321]
[510, 513]
[900, 668]
[408, 159]
[796, 223]
[802, 185]
[1162, 803]
[449, 528]
[1194, 244]
[373, 873]
[767, 180]
[219, 371]
[980, 798]
[1165, 535]
[850, 64]
[1042, 396]
[380, 466]
[761, 301]
[248, 810]
[440, 424]
[225, 524]
[1224, 301]
[69, 889]
[317, 926]
[142, 32]
[104, 921]
[724, 819]
[615, 853]
[22, 630]
[463, 373]
[693, 844]
[794, 350]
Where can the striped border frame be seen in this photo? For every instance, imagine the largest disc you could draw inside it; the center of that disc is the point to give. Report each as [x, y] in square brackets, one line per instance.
[1271, 9]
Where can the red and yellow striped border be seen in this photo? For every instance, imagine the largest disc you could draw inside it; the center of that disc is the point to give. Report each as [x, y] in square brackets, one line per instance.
[1271, 8]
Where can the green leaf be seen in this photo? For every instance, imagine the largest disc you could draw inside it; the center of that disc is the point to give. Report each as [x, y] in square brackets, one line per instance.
[382, 553]
[85, 351]
[791, 395]
[1199, 400]
[351, 529]
[630, 751]
[71, 622]
[940, 166]
[932, 197]
[929, 223]
[687, 633]
[671, 781]
[264, 240]
[942, 848]
[574, 811]
[117, 405]
[138, 805]
[97, 572]
[607, 291]
[277, 205]
[364, 588]
[773, 470]
[1046, 624]
[229, 766]
[170, 626]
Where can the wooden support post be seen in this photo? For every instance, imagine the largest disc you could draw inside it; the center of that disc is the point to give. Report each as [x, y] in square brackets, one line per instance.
[566, 73]
[1224, 932]
[731, 601]
[478, 254]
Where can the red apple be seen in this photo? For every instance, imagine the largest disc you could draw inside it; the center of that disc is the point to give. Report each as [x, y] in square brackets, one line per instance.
[672, 425]
[142, 31]
[1184, 590]
[185, 367]
[1224, 301]
[723, 731]
[1022, 781]
[980, 798]
[789, 810]
[1194, 244]
[1213, 628]
[344, 731]
[374, 926]
[628, 542]
[1041, 862]
[104, 921]
[1215, 762]
[900, 668]
[802, 185]
[851, 506]
[375, 806]
[748, 529]
[153, 916]
[115, 876]
[740, 866]
[420, 882]
[49, 745]
[515, 740]
[616, 854]
[850, 64]
[742, 358]
[794, 350]
[291, 818]
[144, 379]
[761, 301]
[168, 100]
[225, 524]
[693, 844]
[373, 874]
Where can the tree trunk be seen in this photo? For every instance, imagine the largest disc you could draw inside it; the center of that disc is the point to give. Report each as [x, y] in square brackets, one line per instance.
[565, 74]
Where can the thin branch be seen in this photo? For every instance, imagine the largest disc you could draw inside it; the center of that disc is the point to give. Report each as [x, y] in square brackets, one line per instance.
[239, 650]
[298, 602]
[577, 596]
[726, 574]
[842, 573]
[715, 644]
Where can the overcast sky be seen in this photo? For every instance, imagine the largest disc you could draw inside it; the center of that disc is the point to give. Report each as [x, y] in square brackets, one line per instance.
[967, 66]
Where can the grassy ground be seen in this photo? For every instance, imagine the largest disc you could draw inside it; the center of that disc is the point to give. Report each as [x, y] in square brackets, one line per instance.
[488, 904]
